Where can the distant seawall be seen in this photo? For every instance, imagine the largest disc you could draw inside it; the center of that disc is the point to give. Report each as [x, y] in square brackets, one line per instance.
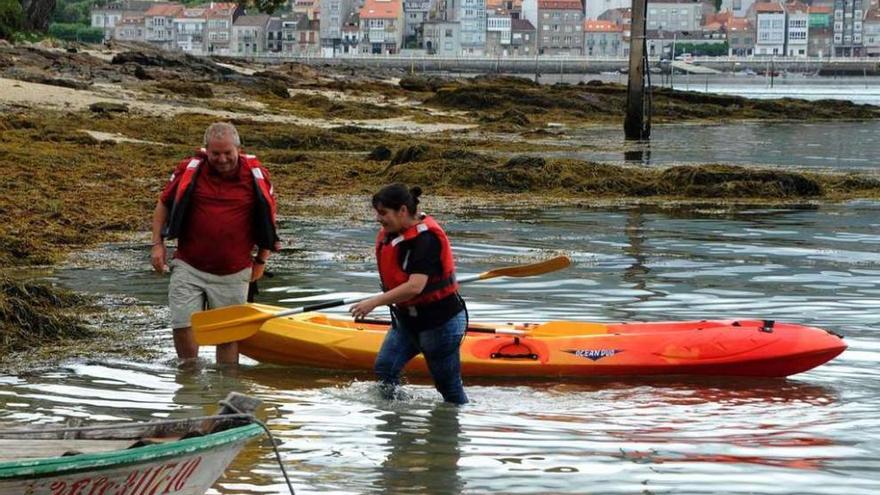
[581, 65]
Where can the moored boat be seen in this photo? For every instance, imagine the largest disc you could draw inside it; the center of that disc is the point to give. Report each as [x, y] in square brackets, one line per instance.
[562, 348]
[163, 457]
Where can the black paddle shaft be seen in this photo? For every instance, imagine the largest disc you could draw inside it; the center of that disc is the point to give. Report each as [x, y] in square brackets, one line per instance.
[387, 322]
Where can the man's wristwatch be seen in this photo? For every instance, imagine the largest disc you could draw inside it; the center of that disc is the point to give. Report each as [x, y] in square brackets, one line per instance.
[259, 261]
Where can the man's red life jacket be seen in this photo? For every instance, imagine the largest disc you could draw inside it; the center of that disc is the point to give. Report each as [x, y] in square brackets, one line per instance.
[265, 228]
[392, 274]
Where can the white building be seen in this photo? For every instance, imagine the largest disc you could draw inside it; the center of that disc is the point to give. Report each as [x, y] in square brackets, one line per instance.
[872, 32]
[249, 35]
[442, 38]
[499, 24]
[130, 28]
[769, 29]
[159, 23]
[381, 27]
[472, 17]
[189, 30]
[797, 32]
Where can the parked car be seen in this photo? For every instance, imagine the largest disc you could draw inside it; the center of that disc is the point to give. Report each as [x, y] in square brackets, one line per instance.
[685, 57]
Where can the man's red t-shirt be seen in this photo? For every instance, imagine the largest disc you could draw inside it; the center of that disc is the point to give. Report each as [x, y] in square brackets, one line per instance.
[218, 234]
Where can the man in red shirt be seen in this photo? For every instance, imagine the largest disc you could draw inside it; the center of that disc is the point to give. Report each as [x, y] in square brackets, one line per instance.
[220, 206]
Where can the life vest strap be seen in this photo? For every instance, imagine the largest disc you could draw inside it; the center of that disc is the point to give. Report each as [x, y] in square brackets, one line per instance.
[439, 284]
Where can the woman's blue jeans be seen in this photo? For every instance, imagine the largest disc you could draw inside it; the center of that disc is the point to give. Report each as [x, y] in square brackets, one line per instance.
[440, 346]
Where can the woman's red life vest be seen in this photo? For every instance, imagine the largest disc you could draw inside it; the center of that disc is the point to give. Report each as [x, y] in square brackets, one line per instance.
[392, 274]
[265, 228]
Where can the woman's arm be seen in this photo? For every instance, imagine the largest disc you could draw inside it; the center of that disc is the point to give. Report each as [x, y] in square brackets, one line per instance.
[403, 292]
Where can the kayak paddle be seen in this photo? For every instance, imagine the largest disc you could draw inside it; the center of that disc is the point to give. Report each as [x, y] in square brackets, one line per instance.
[234, 323]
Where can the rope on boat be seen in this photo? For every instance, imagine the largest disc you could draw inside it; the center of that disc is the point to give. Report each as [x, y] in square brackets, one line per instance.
[271, 439]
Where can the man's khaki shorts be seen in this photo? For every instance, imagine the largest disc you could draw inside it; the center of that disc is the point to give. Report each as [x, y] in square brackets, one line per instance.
[192, 290]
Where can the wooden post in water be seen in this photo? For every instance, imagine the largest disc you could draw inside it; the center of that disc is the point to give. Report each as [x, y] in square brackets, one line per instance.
[772, 71]
[636, 126]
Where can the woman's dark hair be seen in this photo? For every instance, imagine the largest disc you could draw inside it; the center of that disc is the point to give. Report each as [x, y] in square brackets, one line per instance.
[393, 196]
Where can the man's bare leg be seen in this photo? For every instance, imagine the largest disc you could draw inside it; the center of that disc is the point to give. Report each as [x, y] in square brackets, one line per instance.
[185, 343]
[227, 353]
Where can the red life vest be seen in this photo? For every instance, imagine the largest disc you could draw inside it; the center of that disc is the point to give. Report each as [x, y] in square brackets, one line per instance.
[392, 274]
[265, 228]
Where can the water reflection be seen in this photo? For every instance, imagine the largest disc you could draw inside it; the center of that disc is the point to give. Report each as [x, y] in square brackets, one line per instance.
[637, 272]
[639, 156]
[839, 146]
[424, 450]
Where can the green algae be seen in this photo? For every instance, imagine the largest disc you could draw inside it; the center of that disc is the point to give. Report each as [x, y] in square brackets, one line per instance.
[34, 314]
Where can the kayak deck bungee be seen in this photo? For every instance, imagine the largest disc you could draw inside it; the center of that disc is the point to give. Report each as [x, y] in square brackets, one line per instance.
[562, 348]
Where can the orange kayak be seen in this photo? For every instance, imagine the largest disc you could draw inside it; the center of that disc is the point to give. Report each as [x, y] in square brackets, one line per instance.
[562, 348]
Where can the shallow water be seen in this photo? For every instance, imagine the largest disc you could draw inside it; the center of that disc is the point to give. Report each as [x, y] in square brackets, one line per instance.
[817, 432]
[817, 146]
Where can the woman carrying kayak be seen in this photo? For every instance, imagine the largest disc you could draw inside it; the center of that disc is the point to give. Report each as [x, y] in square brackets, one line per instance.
[417, 272]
